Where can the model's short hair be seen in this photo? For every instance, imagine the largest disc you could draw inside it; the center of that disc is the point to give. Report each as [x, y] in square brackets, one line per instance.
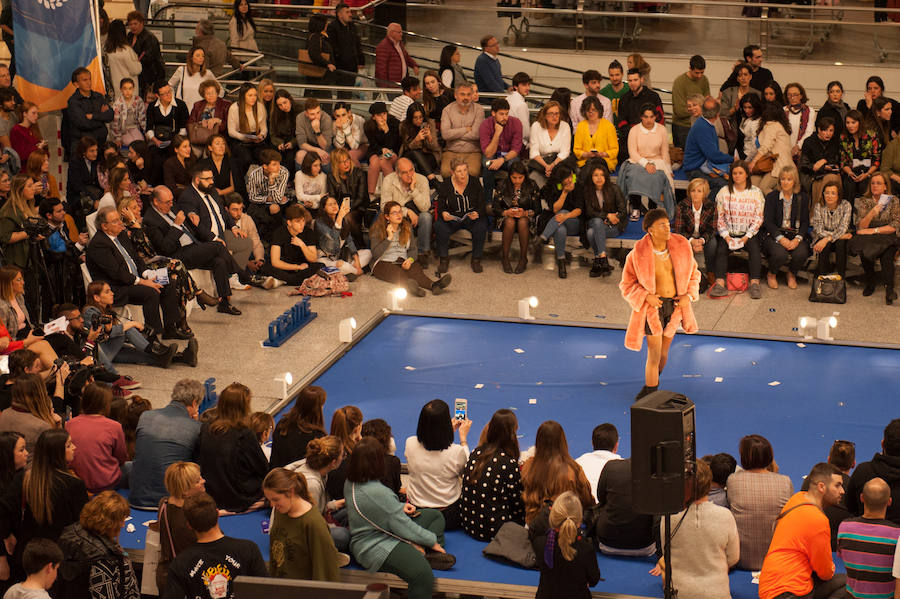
[208, 83]
[135, 15]
[824, 123]
[201, 512]
[38, 553]
[710, 108]
[295, 211]
[104, 514]
[310, 103]
[634, 71]
[652, 216]
[605, 436]
[104, 212]
[749, 50]
[822, 473]
[698, 182]
[409, 83]
[498, 104]
[77, 72]
[520, 78]
[188, 392]
[457, 161]
[180, 477]
[592, 102]
[755, 452]
[233, 198]
[697, 63]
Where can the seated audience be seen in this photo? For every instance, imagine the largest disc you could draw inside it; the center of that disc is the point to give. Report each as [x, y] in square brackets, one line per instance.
[515, 204]
[334, 244]
[303, 423]
[262, 424]
[722, 465]
[751, 111]
[14, 317]
[93, 558]
[567, 560]
[831, 230]
[310, 185]
[860, 156]
[874, 91]
[491, 483]
[410, 92]
[218, 554]
[702, 156]
[550, 142]
[268, 193]
[31, 412]
[143, 168]
[283, 128]
[566, 208]
[460, 205]
[26, 136]
[739, 218]
[21, 362]
[177, 168]
[210, 111]
[44, 499]
[595, 136]
[605, 442]
[501, 144]
[381, 430]
[786, 222]
[87, 110]
[40, 562]
[867, 545]
[883, 464]
[877, 227]
[420, 143]
[101, 458]
[229, 456]
[890, 165]
[247, 245]
[772, 94]
[630, 105]
[798, 562]
[756, 496]
[383, 133]
[695, 219]
[111, 257]
[411, 190]
[436, 96]
[182, 480]
[247, 129]
[800, 116]
[166, 118]
[773, 137]
[605, 214]
[707, 547]
[820, 159]
[834, 107]
[293, 255]
[348, 132]
[346, 425]
[315, 132]
[323, 457]
[299, 542]
[619, 530]
[384, 538]
[347, 181]
[648, 170]
[218, 160]
[551, 471]
[165, 436]
[394, 253]
[436, 463]
[460, 124]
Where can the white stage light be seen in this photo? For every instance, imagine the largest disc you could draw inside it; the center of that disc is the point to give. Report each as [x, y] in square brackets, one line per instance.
[397, 296]
[525, 306]
[806, 327]
[824, 326]
[286, 381]
[345, 330]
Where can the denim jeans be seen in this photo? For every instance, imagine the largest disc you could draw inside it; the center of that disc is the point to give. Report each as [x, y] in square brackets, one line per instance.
[423, 234]
[559, 232]
[598, 232]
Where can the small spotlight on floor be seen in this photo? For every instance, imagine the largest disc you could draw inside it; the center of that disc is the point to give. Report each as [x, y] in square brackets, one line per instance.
[824, 326]
[397, 295]
[345, 330]
[525, 306]
[806, 326]
[286, 380]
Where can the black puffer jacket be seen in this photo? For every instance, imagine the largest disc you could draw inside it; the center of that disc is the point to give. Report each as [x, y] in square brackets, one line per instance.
[95, 567]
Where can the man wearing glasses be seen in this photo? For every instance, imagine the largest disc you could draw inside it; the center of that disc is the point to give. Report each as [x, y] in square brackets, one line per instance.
[488, 77]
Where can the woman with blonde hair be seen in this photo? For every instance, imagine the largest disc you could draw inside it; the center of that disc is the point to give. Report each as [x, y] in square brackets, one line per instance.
[299, 543]
[636, 61]
[19, 207]
[15, 319]
[552, 471]
[93, 558]
[394, 253]
[774, 138]
[567, 560]
[182, 479]
[345, 181]
[786, 220]
[229, 455]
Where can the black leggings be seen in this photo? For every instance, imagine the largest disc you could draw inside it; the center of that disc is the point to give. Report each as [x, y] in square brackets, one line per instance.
[887, 267]
[839, 249]
[752, 247]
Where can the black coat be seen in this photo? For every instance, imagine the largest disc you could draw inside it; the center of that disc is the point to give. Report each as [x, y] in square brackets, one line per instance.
[346, 46]
[147, 49]
[774, 212]
[190, 201]
[106, 263]
[80, 179]
[354, 187]
[449, 202]
[176, 119]
[234, 467]
[166, 238]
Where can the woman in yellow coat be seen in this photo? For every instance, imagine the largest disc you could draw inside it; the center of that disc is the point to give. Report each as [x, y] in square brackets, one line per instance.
[595, 137]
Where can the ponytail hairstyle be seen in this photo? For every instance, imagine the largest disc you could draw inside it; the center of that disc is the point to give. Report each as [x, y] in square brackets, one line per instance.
[285, 482]
[323, 451]
[565, 518]
[343, 424]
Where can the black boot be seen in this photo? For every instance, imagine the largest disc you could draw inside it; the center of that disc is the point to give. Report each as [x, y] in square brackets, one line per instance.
[225, 307]
[645, 390]
[869, 289]
[605, 265]
[561, 265]
[188, 355]
[889, 295]
[204, 299]
[537, 249]
[162, 354]
[596, 268]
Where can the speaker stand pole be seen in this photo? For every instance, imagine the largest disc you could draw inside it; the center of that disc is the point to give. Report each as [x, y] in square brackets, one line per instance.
[670, 592]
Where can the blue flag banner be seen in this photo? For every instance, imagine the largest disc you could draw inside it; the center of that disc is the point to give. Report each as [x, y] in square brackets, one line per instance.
[53, 38]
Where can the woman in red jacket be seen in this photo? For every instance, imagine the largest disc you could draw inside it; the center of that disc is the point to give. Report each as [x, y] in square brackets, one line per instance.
[659, 282]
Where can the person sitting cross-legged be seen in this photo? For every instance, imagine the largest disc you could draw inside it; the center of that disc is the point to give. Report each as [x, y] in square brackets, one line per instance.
[293, 255]
[566, 207]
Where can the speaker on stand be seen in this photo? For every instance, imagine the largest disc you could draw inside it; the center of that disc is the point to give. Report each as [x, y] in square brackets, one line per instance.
[663, 460]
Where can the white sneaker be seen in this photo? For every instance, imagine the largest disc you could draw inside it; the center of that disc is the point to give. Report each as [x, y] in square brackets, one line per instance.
[269, 283]
[236, 283]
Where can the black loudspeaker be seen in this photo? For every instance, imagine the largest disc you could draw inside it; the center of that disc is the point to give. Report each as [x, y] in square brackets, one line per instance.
[663, 453]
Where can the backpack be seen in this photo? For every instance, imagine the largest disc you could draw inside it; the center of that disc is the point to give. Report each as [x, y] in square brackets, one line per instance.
[323, 284]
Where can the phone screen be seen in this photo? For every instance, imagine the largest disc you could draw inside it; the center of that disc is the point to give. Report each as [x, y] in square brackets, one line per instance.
[460, 408]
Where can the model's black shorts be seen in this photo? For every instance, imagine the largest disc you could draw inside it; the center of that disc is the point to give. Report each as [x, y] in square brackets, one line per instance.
[665, 313]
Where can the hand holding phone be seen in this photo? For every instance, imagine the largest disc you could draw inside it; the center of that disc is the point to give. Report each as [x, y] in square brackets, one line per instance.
[460, 408]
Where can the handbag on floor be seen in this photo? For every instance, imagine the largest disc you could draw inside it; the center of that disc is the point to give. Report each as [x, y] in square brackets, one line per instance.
[737, 281]
[828, 289]
[511, 543]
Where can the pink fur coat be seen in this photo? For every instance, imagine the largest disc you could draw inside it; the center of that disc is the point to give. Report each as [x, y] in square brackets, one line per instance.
[639, 281]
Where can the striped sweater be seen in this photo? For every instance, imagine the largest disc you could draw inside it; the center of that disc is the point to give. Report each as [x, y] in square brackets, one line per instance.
[867, 547]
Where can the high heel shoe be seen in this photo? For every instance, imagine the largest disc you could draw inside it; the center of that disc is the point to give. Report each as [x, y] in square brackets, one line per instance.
[889, 295]
[204, 299]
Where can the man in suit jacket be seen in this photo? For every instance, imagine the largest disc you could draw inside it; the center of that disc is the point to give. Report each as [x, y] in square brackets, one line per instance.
[110, 257]
[175, 235]
[203, 206]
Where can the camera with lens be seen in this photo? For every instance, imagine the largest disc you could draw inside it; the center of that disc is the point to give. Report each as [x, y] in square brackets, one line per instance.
[35, 226]
[100, 320]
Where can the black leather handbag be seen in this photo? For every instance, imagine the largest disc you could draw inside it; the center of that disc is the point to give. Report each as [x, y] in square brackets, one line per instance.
[828, 289]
